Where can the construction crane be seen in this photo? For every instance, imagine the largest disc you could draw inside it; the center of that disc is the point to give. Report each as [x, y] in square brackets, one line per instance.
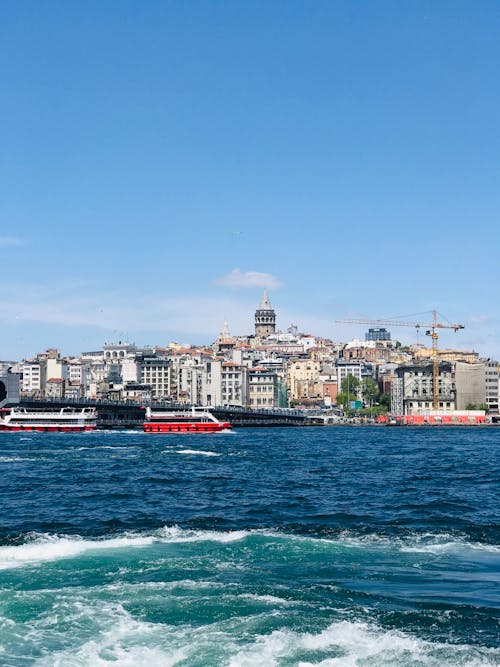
[431, 330]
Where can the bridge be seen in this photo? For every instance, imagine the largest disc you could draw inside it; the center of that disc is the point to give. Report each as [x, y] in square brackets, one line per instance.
[130, 414]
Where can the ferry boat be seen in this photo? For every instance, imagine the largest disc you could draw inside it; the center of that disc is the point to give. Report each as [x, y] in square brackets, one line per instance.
[196, 420]
[67, 420]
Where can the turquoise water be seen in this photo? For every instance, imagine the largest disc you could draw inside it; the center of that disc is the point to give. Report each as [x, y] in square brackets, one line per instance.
[301, 546]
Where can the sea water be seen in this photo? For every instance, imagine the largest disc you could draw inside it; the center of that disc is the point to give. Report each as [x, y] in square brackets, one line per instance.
[288, 546]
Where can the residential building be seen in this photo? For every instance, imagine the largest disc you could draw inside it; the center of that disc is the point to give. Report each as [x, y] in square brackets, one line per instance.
[263, 388]
[31, 378]
[54, 388]
[234, 383]
[492, 385]
[303, 380]
[417, 388]
[156, 373]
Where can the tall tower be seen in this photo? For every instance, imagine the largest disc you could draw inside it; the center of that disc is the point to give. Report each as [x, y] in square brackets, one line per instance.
[265, 318]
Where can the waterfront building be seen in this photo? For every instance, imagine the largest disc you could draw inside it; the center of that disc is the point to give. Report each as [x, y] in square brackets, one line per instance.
[234, 383]
[135, 391]
[263, 388]
[156, 373]
[329, 384]
[416, 388]
[354, 368]
[265, 318]
[224, 383]
[54, 388]
[470, 383]
[31, 378]
[303, 380]
[96, 372]
[77, 378]
[492, 385]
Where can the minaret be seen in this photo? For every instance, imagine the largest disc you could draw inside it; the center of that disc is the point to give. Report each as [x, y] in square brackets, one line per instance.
[265, 318]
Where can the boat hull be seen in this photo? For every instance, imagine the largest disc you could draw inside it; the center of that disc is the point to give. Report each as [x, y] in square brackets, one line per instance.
[186, 427]
[47, 429]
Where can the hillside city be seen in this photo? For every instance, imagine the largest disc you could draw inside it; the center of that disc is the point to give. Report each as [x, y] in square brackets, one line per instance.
[269, 369]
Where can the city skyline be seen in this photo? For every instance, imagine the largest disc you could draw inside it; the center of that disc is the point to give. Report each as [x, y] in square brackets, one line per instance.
[164, 163]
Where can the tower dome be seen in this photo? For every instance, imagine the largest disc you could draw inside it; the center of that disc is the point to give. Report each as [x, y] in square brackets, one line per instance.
[265, 318]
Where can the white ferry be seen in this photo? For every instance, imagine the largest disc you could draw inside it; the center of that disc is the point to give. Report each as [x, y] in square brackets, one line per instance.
[196, 420]
[67, 420]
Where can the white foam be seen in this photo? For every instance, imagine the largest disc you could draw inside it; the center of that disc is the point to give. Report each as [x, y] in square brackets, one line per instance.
[176, 534]
[268, 599]
[196, 451]
[45, 547]
[351, 644]
[418, 543]
[48, 548]
[121, 641]
[453, 546]
[12, 459]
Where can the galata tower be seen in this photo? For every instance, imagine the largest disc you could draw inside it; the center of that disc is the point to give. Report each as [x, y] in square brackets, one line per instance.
[265, 318]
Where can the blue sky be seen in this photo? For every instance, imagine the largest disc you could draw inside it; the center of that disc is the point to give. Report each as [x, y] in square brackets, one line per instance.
[162, 161]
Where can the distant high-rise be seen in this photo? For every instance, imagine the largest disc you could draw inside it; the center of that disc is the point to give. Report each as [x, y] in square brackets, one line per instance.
[265, 318]
[378, 334]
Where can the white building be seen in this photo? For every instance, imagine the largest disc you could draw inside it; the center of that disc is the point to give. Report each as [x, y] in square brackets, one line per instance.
[156, 373]
[492, 386]
[31, 383]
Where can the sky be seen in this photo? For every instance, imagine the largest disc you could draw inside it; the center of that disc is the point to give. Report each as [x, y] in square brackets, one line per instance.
[161, 162]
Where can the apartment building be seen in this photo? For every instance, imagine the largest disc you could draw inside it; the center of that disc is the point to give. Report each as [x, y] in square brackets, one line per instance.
[263, 388]
[31, 378]
[156, 373]
[303, 379]
[416, 388]
[492, 385]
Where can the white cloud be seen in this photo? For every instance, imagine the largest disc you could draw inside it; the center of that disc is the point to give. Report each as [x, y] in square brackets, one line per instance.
[248, 279]
[9, 241]
[200, 316]
[157, 318]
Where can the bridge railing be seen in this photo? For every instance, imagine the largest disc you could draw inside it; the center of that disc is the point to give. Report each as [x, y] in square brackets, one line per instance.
[103, 402]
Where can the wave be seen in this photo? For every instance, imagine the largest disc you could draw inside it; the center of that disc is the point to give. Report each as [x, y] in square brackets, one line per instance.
[42, 548]
[112, 447]
[432, 543]
[347, 643]
[45, 547]
[197, 451]
[120, 639]
[39, 548]
[15, 459]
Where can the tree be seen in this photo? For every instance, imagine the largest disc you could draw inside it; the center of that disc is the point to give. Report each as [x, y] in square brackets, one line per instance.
[477, 406]
[348, 390]
[370, 390]
[385, 400]
[349, 384]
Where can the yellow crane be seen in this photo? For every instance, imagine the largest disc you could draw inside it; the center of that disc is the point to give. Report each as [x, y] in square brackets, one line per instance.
[431, 330]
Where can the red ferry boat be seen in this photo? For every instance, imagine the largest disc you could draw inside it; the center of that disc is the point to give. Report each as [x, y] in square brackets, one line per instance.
[67, 420]
[197, 420]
